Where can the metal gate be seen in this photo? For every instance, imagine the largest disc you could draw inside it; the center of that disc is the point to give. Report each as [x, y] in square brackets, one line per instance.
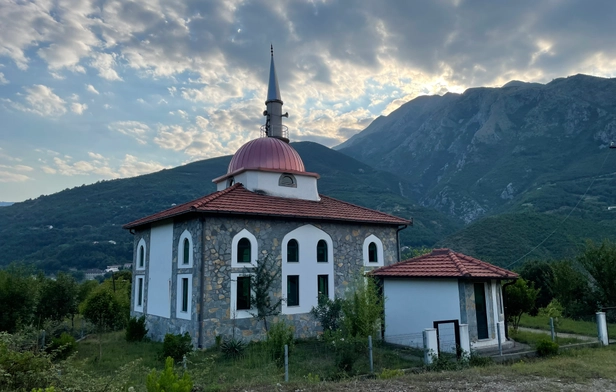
[444, 335]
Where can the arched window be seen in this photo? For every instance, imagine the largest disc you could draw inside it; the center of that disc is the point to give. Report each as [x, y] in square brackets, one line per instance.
[292, 251]
[322, 251]
[186, 259]
[141, 256]
[287, 180]
[372, 254]
[243, 251]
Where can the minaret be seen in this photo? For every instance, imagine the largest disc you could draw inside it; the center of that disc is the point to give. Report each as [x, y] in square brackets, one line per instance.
[273, 124]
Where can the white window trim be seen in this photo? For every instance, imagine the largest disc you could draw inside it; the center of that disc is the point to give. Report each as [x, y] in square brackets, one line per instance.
[185, 235]
[254, 250]
[308, 268]
[137, 307]
[145, 255]
[379, 251]
[238, 314]
[178, 306]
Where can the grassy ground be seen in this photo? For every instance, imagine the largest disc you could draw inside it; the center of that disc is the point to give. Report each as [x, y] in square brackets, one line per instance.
[532, 338]
[311, 362]
[588, 328]
[308, 360]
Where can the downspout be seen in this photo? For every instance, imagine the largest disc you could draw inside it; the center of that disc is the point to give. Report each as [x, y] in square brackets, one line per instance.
[400, 228]
[504, 292]
[201, 284]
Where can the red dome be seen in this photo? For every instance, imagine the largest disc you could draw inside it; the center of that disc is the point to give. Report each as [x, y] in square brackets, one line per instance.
[266, 153]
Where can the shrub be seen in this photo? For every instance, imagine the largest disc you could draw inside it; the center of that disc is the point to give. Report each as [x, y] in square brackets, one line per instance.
[22, 368]
[279, 335]
[347, 350]
[136, 330]
[363, 308]
[546, 348]
[232, 347]
[176, 346]
[63, 346]
[389, 373]
[477, 360]
[328, 312]
[168, 380]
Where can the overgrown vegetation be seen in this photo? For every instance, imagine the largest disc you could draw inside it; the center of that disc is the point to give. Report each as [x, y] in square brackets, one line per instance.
[176, 346]
[265, 275]
[136, 330]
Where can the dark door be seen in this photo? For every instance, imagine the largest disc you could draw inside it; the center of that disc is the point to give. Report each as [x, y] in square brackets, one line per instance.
[481, 311]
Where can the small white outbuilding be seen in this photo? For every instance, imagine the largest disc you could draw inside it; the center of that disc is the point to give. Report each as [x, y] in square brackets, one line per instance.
[442, 290]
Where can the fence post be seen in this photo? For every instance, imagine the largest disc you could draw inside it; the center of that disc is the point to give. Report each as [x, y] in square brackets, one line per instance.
[465, 341]
[552, 328]
[82, 328]
[370, 354]
[43, 340]
[430, 345]
[602, 328]
[184, 362]
[286, 363]
[500, 339]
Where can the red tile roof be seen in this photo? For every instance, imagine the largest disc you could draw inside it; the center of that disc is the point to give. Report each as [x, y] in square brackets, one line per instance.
[444, 263]
[238, 200]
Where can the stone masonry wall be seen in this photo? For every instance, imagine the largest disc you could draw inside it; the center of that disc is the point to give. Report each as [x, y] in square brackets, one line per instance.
[212, 247]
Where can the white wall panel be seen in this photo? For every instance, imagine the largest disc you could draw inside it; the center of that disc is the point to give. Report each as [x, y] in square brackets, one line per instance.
[159, 284]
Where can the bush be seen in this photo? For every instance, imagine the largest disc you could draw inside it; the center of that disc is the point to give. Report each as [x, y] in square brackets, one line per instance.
[363, 308]
[389, 373]
[63, 346]
[176, 346]
[168, 380]
[279, 335]
[22, 368]
[136, 330]
[546, 348]
[232, 348]
[347, 350]
[328, 313]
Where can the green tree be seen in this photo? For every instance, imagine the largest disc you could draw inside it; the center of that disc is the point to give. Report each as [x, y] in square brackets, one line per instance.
[600, 263]
[19, 294]
[363, 308]
[571, 288]
[168, 380]
[58, 298]
[266, 275]
[541, 274]
[102, 309]
[521, 298]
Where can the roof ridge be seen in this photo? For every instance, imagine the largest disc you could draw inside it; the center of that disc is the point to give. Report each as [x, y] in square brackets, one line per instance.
[213, 196]
[365, 208]
[456, 261]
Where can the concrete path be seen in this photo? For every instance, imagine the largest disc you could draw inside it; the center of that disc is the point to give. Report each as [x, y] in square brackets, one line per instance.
[562, 334]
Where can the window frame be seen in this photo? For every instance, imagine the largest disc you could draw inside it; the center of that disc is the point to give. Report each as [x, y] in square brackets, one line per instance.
[373, 253]
[293, 240]
[140, 263]
[179, 308]
[324, 251]
[139, 293]
[379, 254]
[325, 280]
[284, 176]
[254, 250]
[297, 292]
[181, 250]
[234, 312]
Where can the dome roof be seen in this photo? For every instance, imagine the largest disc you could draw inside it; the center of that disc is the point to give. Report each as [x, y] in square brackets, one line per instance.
[266, 153]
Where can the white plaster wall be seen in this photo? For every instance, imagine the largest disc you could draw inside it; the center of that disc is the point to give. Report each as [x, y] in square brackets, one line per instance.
[307, 268]
[412, 305]
[159, 283]
[268, 181]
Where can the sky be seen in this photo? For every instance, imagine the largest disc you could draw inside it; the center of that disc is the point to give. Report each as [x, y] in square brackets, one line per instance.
[94, 90]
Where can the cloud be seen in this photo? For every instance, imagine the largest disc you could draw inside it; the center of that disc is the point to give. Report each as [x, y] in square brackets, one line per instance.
[174, 137]
[78, 108]
[104, 63]
[104, 167]
[6, 176]
[91, 89]
[135, 129]
[3, 80]
[41, 100]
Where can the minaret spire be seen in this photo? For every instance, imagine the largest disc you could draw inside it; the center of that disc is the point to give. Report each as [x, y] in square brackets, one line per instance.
[273, 124]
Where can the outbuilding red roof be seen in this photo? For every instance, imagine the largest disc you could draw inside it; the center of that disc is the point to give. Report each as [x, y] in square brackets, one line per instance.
[444, 263]
[238, 200]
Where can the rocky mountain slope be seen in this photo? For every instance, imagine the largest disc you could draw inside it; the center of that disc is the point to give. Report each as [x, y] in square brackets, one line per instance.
[81, 227]
[524, 146]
